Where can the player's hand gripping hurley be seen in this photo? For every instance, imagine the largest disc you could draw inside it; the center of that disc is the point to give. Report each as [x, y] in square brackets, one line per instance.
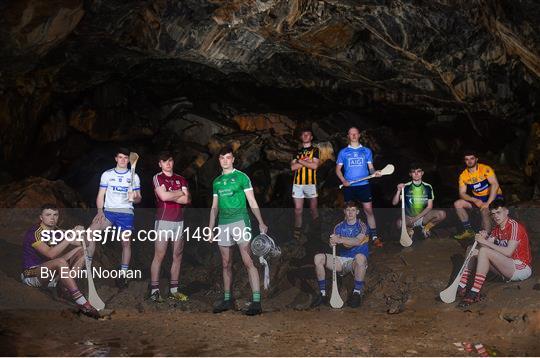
[387, 170]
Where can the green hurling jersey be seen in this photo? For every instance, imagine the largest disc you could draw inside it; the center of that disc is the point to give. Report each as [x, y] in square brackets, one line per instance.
[416, 197]
[230, 190]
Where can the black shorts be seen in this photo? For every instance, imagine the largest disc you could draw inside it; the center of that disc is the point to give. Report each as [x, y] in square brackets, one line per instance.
[360, 193]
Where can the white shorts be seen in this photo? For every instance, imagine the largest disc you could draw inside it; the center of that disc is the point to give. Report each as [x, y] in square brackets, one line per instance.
[307, 191]
[347, 264]
[419, 222]
[168, 230]
[33, 280]
[521, 272]
[233, 234]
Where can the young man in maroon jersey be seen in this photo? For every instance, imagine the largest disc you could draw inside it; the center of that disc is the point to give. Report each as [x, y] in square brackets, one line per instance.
[172, 194]
[506, 251]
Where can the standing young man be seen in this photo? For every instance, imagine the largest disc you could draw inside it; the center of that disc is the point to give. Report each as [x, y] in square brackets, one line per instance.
[478, 187]
[419, 197]
[351, 234]
[114, 203]
[39, 257]
[172, 194]
[505, 251]
[357, 163]
[231, 189]
[304, 166]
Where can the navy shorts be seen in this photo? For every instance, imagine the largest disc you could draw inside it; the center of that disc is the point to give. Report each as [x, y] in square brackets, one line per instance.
[360, 193]
[485, 198]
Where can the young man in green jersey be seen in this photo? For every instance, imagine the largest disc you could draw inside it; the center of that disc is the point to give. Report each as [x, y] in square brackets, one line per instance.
[419, 197]
[230, 191]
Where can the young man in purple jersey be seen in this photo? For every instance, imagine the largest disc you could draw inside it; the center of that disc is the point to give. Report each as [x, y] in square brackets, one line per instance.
[357, 163]
[43, 265]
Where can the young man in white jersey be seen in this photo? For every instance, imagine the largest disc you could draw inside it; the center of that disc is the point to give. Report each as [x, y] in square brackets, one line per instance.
[114, 203]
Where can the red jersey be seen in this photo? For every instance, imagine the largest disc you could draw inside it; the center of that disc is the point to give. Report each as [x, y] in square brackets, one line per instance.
[514, 231]
[169, 210]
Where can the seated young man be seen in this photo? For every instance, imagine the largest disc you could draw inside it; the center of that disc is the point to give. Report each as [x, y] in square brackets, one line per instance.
[419, 197]
[351, 235]
[505, 251]
[37, 255]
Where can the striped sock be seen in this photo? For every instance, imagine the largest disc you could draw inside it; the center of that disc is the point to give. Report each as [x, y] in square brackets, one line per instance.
[124, 267]
[257, 296]
[322, 287]
[464, 278]
[227, 295]
[467, 225]
[478, 282]
[78, 297]
[173, 286]
[358, 286]
[154, 286]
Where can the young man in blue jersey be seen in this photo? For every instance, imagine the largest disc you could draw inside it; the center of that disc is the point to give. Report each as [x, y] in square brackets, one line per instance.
[357, 163]
[351, 235]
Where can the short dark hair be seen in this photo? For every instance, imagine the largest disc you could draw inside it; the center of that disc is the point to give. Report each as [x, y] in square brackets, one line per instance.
[306, 129]
[351, 127]
[497, 203]
[48, 206]
[413, 166]
[226, 150]
[469, 151]
[351, 204]
[164, 155]
[122, 150]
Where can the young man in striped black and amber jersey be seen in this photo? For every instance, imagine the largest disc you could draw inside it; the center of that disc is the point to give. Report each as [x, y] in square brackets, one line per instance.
[304, 166]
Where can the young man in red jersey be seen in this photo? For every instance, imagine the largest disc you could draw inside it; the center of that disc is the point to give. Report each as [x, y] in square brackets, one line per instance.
[506, 251]
[172, 194]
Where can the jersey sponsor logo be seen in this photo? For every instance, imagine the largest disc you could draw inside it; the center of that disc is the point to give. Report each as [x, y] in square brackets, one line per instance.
[356, 162]
[502, 243]
[122, 189]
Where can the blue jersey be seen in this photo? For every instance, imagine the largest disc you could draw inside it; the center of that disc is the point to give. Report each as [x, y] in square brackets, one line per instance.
[343, 229]
[355, 163]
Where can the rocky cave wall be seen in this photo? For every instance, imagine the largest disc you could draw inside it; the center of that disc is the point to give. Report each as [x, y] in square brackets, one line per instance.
[424, 79]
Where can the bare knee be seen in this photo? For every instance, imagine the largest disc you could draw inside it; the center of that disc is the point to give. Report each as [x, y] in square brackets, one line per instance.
[458, 204]
[319, 259]
[441, 215]
[360, 260]
[226, 263]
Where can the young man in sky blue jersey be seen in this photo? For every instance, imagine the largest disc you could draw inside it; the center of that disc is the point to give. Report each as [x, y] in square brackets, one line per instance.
[357, 163]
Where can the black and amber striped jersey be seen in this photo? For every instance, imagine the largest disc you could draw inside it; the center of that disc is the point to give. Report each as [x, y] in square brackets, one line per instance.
[306, 176]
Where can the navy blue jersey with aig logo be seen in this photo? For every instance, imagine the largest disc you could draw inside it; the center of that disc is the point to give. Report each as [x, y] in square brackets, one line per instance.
[346, 230]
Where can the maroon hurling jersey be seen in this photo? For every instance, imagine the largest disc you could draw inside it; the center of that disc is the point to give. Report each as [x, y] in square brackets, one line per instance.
[169, 210]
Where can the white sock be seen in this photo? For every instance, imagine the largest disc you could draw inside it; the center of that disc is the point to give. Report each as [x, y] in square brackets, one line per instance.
[174, 289]
[323, 292]
[81, 300]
